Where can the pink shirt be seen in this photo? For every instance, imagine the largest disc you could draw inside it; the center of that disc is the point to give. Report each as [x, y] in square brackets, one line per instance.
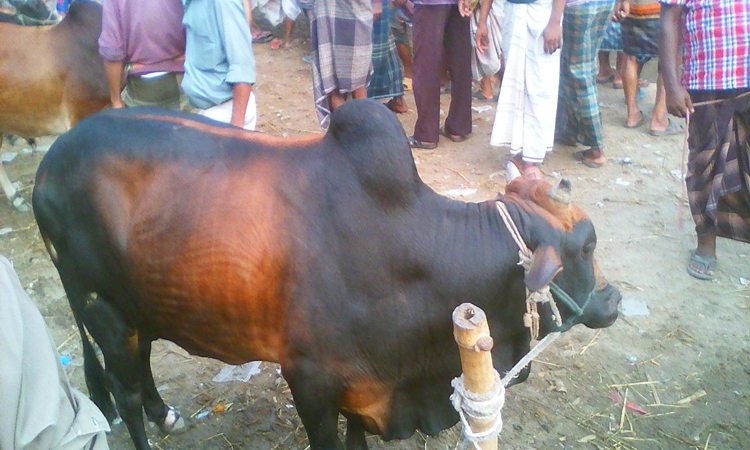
[146, 33]
[716, 53]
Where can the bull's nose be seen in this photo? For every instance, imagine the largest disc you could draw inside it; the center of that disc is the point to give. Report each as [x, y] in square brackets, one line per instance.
[602, 312]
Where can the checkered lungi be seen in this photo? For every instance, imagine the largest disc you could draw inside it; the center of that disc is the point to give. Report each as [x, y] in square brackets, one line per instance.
[718, 178]
[640, 37]
[387, 77]
[578, 116]
[341, 39]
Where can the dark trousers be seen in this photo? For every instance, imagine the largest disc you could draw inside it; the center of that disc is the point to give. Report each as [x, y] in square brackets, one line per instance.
[440, 32]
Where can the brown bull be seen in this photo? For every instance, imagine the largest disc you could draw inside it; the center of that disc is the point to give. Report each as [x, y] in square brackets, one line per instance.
[50, 78]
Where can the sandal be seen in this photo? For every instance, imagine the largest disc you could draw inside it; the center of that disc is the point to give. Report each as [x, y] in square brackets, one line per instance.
[701, 267]
[671, 130]
[453, 137]
[414, 143]
[595, 163]
[263, 36]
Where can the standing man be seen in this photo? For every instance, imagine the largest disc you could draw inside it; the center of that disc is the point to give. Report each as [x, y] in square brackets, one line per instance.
[219, 61]
[714, 95]
[440, 33]
[578, 115]
[527, 107]
[143, 41]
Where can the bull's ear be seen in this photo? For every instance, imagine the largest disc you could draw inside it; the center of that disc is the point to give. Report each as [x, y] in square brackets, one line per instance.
[545, 265]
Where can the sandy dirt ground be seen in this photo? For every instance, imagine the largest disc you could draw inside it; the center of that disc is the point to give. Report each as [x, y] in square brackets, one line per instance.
[685, 361]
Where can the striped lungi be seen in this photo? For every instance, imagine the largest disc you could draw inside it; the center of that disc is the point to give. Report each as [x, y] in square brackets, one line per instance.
[341, 39]
[578, 115]
[387, 78]
[718, 178]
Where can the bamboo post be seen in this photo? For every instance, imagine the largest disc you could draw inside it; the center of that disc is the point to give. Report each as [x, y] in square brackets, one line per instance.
[472, 334]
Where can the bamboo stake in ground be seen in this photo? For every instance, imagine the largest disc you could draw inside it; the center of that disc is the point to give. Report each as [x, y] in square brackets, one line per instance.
[472, 335]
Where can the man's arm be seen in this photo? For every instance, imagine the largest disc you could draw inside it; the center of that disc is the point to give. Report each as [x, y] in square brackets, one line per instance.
[553, 32]
[678, 99]
[113, 71]
[240, 97]
[481, 37]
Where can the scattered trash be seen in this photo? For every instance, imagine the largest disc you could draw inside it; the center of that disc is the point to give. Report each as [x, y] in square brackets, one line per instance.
[632, 360]
[461, 192]
[621, 182]
[221, 407]
[162, 388]
[695, 396]
[599, 205]
[65, 360]
[676, 174]
[556, 175]
[587, 439]
[634, 307]
[7, 157]
[481, 109]
[626, 161]
[202, 415]
[616, 398]
[237, 373]
[743, 281]
[27, 151]
[6, 230]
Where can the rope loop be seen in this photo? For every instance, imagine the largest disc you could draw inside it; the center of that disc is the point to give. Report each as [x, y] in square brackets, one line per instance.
[480, 407]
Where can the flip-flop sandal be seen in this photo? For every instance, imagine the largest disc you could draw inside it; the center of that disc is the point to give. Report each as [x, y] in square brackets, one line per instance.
[605, 80]
[638, 124]
[262, 37]
[580, 155]
[275, 43]
[414, 143]
[452, 137]
[707, 264]
[671, 130]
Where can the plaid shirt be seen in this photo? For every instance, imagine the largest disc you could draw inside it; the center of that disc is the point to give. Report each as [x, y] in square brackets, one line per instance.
[716, 54]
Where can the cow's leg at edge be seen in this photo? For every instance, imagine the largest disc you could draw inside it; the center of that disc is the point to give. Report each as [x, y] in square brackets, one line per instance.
[168, 419]
[316, 400]
[13, 196]
[95, 377]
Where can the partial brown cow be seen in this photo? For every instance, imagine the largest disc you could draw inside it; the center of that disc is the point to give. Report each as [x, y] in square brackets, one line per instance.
[50, 78]
[328, 255]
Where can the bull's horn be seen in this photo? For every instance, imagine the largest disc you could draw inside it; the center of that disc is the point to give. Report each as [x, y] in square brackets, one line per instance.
[511, 172]
[561, 192]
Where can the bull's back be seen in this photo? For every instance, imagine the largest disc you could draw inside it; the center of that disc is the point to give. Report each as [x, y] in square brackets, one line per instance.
[189, 229]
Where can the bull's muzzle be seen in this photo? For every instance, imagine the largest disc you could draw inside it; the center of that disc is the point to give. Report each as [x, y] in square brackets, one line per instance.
[601, 312]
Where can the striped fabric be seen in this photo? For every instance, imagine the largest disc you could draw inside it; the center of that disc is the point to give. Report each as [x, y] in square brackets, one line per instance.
[718, 168]
[387, 78]
[578, 116]
[716, 54]
[341, 39]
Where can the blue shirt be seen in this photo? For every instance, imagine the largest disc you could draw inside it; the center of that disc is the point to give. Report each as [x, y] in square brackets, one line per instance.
[218, 51]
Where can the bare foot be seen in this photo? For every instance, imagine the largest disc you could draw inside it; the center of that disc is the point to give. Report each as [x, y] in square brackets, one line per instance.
[397, 105]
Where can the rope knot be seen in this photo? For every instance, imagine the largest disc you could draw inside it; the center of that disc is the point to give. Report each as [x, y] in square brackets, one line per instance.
[480, 407]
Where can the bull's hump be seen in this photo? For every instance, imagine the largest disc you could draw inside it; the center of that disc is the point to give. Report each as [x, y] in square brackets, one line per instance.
[374, 141]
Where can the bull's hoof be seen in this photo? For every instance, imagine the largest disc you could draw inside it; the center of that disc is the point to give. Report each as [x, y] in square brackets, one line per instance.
[174, 422]
[20, 204]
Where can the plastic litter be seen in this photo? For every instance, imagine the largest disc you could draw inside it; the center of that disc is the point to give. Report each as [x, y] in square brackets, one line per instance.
[621, 182]
[202, 415]
[8, 157]
[481, 109]
[461, 192]
[616, 398]
[6, 230]
[237, 373]
[634, 307]
[65, 360]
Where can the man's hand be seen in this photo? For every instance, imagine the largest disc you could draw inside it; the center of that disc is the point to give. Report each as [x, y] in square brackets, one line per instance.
[622, 10]
[552, 37]
[679, 102]
[482, 38]
[464, 7]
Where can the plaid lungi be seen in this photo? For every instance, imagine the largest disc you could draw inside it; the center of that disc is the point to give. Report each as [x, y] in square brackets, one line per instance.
[341, 39]
[612, 41]
[387, 79]
[640, 37]
[578, 116]
[718, 177]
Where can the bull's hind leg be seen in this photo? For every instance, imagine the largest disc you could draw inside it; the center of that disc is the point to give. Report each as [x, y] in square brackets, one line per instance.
[157, 411]
[95, 377]
[355, 433]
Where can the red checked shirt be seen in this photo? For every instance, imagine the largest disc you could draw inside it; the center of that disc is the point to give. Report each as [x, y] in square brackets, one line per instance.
[716, 54]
